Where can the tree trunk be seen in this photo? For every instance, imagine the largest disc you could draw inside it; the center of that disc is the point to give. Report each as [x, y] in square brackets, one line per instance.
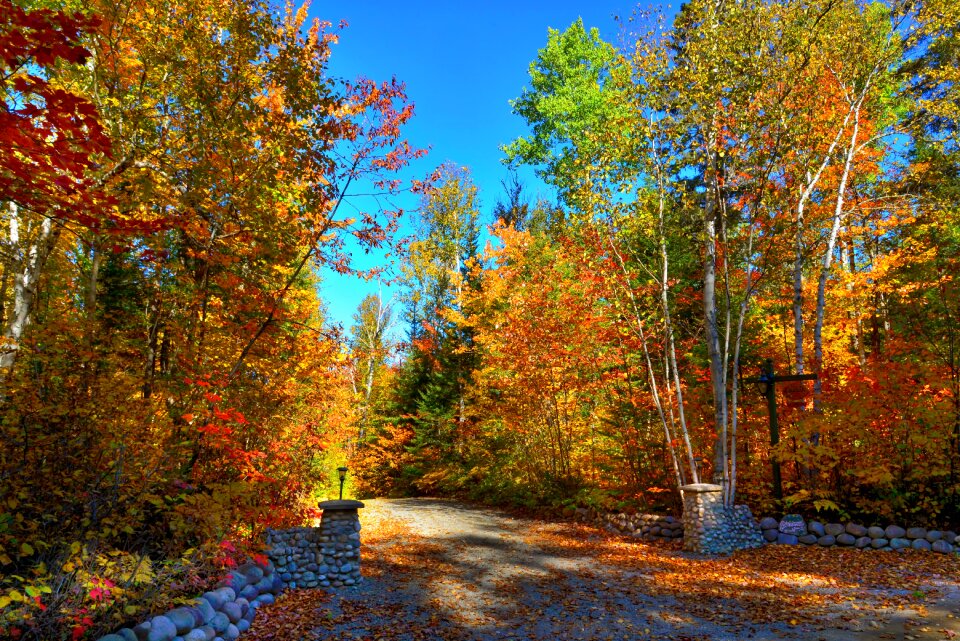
[651, 372]
[812, 180]
[838, 216]
[798, 285]
[711, 330]
[90, 364]
[27, 267]
[153, 342]
[671, 350]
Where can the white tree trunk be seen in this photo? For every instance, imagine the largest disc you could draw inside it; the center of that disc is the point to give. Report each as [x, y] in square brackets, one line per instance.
[838, 217]
[811, 183]
[651, 371]
[798, 280]
[29, 246]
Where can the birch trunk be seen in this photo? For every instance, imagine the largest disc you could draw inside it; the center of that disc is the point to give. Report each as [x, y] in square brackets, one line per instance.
[651, 371]
[27, 265]
[671, 358]
[798, 283]
[731, 494]
[672, 372]
[838, 217]
[371, 341]
[671, 350]
[806, 193]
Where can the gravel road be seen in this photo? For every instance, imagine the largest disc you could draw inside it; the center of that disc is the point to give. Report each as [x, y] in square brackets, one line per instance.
[452, 571]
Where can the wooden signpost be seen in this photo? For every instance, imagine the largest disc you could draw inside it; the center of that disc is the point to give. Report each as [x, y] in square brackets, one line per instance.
[770, 380]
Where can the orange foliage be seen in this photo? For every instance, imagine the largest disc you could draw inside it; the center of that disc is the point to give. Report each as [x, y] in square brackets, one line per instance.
[177, 381]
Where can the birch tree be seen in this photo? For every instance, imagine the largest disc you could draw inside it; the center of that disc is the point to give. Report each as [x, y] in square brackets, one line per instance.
[370, 346]
[598, 126]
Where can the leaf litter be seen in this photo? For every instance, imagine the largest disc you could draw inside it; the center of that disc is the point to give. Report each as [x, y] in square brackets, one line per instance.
[442, 570]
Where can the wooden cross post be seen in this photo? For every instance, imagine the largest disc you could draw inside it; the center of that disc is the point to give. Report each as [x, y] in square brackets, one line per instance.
[770, 379]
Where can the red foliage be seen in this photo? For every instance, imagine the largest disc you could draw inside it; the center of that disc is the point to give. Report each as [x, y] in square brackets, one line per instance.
[52, 136]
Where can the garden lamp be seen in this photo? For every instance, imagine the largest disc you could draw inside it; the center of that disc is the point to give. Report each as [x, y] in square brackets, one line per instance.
[342, 473]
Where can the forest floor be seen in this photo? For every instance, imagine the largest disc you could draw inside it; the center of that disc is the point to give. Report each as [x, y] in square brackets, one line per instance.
[438, 569]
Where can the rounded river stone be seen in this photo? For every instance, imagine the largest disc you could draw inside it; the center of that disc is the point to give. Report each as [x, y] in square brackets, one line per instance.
[895, 532]
[899, 543]
[161, 629]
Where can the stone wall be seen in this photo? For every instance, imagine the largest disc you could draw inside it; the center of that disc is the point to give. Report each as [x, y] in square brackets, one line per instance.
[294, 552]
[741, 531]
[326, 556]
[711, 528]
[301, 557]
[647, 527]
[223, 613]
[794, 530]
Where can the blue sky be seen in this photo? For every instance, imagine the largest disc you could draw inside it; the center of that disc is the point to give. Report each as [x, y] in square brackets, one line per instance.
[462, 63]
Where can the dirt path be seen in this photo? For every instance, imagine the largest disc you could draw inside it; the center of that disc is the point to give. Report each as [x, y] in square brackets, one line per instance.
[437, 569]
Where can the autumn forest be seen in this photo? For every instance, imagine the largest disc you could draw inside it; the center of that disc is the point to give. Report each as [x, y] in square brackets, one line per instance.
[750, 182]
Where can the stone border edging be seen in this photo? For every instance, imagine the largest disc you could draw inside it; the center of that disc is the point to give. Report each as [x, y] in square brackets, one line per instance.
[221, 614]
[327, 556]
[794, 530]
[653, 527]
[647, 527]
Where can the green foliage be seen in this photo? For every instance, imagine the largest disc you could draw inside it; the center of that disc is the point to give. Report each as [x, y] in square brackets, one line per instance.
[753, 171]
[570, 104]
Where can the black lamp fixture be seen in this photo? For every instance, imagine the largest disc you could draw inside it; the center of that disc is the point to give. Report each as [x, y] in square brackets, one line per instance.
[342, 473]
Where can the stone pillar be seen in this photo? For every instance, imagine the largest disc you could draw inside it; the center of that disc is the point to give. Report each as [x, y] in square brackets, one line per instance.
[711, 528]
[339, 543]
[701, 503]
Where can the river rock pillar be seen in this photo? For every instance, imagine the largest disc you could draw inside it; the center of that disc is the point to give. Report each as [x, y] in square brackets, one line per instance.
[338, 543]
[711, 528]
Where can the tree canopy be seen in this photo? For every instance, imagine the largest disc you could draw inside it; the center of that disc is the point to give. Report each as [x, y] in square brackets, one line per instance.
[749, 181]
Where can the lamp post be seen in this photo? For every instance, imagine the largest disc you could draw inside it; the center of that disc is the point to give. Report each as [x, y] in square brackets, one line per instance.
[342, 473]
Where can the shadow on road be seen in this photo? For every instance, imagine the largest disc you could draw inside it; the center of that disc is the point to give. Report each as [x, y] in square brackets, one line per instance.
[462, 573]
